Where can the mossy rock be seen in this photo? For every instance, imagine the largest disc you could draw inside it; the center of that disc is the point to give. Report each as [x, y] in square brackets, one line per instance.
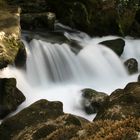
[10, 96]
[122, 103]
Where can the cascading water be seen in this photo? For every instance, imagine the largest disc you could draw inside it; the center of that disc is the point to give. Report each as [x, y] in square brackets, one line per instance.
[54, 72]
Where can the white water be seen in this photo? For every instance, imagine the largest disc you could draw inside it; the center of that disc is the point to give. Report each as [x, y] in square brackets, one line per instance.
[54, 72]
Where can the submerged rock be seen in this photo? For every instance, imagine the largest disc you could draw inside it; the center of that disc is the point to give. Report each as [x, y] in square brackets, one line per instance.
[131, 65]
[92, 100]
[10, 96]
[122, 103]
[117, 45]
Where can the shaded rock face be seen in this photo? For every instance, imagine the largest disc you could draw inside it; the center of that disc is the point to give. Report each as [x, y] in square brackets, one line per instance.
[31, 6]
[117, 45]
[40, 120]
[35, 14]
[98, 17]
[31, 21]
[122, 103]
[20, 60]
[10, 96]
[92, 100]
[131, 65]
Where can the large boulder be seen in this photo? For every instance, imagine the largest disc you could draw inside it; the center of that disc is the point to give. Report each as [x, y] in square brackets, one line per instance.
[10, 96]
[122, 103]
[92, 100]
[131, 65]
[43, 119]
[117, 45]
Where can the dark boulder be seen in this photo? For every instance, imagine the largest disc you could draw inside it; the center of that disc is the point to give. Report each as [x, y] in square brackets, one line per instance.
[122, 103]
[10, 96]
[117, 45]
[131, 65]
[21, 56]
[92, 100]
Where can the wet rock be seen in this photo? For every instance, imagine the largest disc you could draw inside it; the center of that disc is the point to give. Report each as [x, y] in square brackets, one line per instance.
[10, 96]
[122, 103]
[43, 119]
[31, 21]
[131, 65]
[117, 45]
[92, 100]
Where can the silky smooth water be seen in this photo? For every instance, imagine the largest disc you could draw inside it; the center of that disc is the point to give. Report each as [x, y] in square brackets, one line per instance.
[54, 72]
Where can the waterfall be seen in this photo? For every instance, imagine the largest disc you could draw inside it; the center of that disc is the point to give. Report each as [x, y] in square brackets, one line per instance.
[49, 64]
[54, 72]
